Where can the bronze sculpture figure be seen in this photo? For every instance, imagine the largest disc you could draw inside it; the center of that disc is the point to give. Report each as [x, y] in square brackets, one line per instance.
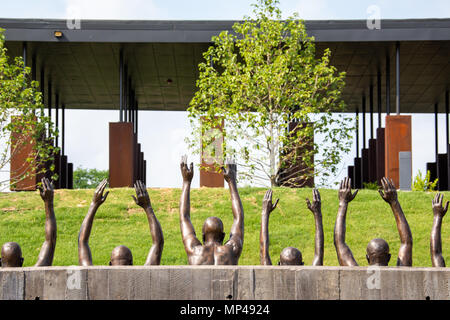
[291, 255]
[121, 255]
[437, 260]
[212, 251]
[377, 249]
[11, 252]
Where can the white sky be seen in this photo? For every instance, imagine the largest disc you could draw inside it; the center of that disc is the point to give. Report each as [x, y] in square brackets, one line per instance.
[161, 134]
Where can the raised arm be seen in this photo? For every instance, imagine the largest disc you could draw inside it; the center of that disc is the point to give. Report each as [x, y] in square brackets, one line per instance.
[344, 254]
[84, 252]
[237, 229]
[439, 212]
[45, 257]
[267, 208]
[190, 240]
[389, 194]
[143, 200]
[315, 208]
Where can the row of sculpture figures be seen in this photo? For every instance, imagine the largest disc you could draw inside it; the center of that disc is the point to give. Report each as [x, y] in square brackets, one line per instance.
[213, 251]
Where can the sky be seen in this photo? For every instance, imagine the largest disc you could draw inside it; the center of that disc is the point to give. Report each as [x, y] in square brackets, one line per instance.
[161, 133]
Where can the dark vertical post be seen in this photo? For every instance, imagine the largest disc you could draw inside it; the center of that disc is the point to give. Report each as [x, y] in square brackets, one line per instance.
[447, 137]
[397, 77]
[364, 120]
[125, 98]
[388, 85]
[379, 97]
[49, 102]
[130, 109]
[121, 86]
[130, 94]
[33, 68]
[57, 118]
[371, 109]
[63, 125]
[357, 132]
[137, 118]
[436, 141]
[24, 53]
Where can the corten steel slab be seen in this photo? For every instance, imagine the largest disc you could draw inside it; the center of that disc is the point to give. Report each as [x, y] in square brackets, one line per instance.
[357, 172]
[372, 160]
[397, 139]
[121, 154]
[63, 172]
[350, 174]
[364, 166]
[380, 155]
[19, 167]
[209, 177]
[70, 176]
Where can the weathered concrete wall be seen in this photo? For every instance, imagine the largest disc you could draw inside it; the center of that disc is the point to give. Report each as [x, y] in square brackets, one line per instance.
[224, 282]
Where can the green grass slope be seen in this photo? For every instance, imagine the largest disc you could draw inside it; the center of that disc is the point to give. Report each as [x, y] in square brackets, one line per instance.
[120, 221]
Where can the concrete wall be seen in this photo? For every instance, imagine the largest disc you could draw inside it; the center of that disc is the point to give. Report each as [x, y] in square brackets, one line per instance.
[224, 282]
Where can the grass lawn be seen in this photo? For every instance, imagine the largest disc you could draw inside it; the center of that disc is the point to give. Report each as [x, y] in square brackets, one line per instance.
[120, 221]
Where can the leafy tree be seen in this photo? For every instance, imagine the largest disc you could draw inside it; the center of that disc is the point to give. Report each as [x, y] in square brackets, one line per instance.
[88, 178]
[258, 79]
[23, 124]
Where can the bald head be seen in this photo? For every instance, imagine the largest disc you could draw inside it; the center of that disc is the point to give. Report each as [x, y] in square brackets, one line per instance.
[378, 252]
[213, 230]
[291, 256]
[11, 255]
[121, 256]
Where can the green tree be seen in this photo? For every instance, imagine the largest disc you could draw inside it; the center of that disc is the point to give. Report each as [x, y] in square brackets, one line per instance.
[258, 79]
[88, 178]
[22, 120]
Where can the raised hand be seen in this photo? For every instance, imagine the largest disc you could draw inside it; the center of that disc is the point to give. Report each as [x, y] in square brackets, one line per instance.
[142, 198]
[390, 193]
[438, 209]
[98, 198]
[345, 191]
[46, 190]
[229, 174]
[315, 205]
[267, 205]
[186, 172]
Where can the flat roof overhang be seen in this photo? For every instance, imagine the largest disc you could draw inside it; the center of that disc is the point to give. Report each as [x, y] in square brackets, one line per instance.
[84, 63]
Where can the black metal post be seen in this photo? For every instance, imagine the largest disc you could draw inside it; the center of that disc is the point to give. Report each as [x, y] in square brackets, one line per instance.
[446, 119]
[57, 118]
[130, 94]
[364, 120]
[397, 77]
[371, 109]
[137, 113]
[33, 68]
[436, 130]
[24, 54]
[49, 102]
[388, 85]
[357, 132]
[130, 109]
[121, 86]
[125, 98]
[63, 127]
[379, 97]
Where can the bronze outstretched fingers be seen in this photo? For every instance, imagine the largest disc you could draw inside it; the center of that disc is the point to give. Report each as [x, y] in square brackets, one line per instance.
[290, 255]
[212, 251]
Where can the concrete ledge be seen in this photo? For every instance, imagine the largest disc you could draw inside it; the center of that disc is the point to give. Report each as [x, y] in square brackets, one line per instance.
[224, 283]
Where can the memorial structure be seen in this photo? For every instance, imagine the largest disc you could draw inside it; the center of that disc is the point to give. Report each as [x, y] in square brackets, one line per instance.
[131, 66]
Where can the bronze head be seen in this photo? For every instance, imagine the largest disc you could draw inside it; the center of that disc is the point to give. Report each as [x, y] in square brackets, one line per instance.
[121, 256]
[11, 255]
[212, 230]
[290, 257]
[378, 252]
